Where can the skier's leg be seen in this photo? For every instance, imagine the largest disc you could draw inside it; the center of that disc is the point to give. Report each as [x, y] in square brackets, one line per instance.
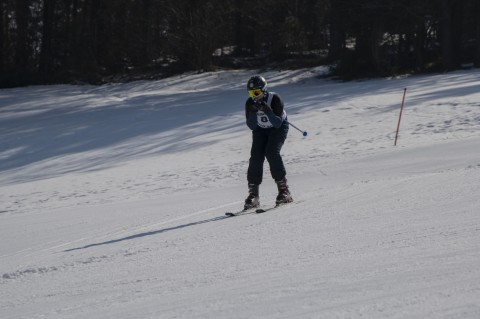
[257, 157]
[277, 168]
[255, 168]
[276, 140]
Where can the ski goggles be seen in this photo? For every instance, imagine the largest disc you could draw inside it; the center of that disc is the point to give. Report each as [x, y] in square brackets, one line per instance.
[255, 93]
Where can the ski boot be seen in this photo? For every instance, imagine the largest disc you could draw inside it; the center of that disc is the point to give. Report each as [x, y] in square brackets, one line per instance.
[284, 195]
[253, 199]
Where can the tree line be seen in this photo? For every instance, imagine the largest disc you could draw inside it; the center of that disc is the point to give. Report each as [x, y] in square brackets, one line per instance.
[96, 41]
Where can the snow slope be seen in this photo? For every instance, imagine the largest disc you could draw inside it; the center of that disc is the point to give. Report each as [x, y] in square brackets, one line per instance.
[112, 200]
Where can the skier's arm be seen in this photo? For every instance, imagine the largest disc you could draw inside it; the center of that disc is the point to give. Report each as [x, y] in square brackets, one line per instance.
[274, 119]
[276, 113]
[251, 114]
[252, 120]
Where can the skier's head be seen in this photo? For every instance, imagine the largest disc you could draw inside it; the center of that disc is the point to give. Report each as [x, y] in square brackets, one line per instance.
[256, 87]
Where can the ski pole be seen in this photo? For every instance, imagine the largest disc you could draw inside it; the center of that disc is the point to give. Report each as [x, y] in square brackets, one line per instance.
[303, 132]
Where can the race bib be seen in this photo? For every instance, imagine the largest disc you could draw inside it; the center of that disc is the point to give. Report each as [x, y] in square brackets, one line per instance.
[263, 121]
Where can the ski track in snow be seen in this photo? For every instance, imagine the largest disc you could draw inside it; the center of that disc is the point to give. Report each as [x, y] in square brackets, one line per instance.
[112, 201]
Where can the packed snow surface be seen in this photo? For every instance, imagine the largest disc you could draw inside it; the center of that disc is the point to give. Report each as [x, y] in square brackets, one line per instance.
[112, 200]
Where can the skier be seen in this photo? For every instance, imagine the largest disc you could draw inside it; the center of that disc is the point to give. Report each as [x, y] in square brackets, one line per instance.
[267, 119]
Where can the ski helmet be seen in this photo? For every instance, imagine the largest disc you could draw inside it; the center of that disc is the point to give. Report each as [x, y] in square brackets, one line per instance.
[257, 82]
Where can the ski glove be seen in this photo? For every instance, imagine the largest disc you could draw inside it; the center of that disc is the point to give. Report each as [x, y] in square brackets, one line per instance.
[264, 107]
[253, 108]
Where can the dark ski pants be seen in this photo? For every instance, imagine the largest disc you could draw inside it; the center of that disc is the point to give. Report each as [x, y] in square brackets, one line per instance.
[267, 143]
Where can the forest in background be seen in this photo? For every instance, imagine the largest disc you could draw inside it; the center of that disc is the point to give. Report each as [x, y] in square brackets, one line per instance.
[101, 41]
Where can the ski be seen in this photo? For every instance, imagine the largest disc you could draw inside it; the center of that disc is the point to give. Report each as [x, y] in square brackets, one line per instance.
[264, 210]
[241, 212]
[254, 210]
